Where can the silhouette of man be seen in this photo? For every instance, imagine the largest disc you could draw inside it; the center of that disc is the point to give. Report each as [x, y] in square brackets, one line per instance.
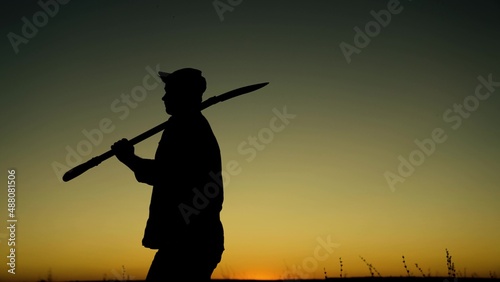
[184, 223]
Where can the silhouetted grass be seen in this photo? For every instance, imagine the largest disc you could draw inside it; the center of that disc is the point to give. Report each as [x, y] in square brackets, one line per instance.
[453, 275]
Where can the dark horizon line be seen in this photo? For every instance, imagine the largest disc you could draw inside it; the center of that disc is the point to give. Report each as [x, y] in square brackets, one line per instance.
[355, 278]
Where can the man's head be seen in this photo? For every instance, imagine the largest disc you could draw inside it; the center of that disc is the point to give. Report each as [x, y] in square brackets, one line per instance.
[184, 89]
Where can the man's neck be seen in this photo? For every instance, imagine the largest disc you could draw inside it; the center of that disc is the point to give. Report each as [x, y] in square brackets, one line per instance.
[187, 114]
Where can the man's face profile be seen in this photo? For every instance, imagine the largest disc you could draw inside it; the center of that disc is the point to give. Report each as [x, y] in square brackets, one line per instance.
[183, 91]
[170, 99]
[179, 100]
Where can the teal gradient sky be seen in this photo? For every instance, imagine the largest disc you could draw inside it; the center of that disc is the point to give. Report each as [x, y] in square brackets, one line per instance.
[319, 178]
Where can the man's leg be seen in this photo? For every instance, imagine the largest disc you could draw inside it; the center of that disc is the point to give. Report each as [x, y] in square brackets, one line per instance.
[157, 268]
[183, 266]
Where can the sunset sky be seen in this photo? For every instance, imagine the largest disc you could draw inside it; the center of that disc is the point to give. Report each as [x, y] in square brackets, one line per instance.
[377, 135]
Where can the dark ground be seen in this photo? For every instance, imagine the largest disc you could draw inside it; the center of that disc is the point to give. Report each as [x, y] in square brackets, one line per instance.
[358, 279]
[377, 279]
[365, 279]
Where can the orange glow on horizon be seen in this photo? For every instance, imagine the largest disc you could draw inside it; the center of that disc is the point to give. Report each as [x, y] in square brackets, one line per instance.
[254, 276]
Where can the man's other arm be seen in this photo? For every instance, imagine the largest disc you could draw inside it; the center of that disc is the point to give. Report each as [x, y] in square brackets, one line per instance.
[144, 169]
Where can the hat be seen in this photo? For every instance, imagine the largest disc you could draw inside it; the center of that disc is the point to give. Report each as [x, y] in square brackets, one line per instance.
[189, 79]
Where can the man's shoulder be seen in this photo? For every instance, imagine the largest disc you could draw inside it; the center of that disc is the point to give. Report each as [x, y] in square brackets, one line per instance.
[189, 125]
[188, 120]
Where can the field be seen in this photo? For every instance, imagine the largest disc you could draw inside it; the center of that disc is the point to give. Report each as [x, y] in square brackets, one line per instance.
[360, 279]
